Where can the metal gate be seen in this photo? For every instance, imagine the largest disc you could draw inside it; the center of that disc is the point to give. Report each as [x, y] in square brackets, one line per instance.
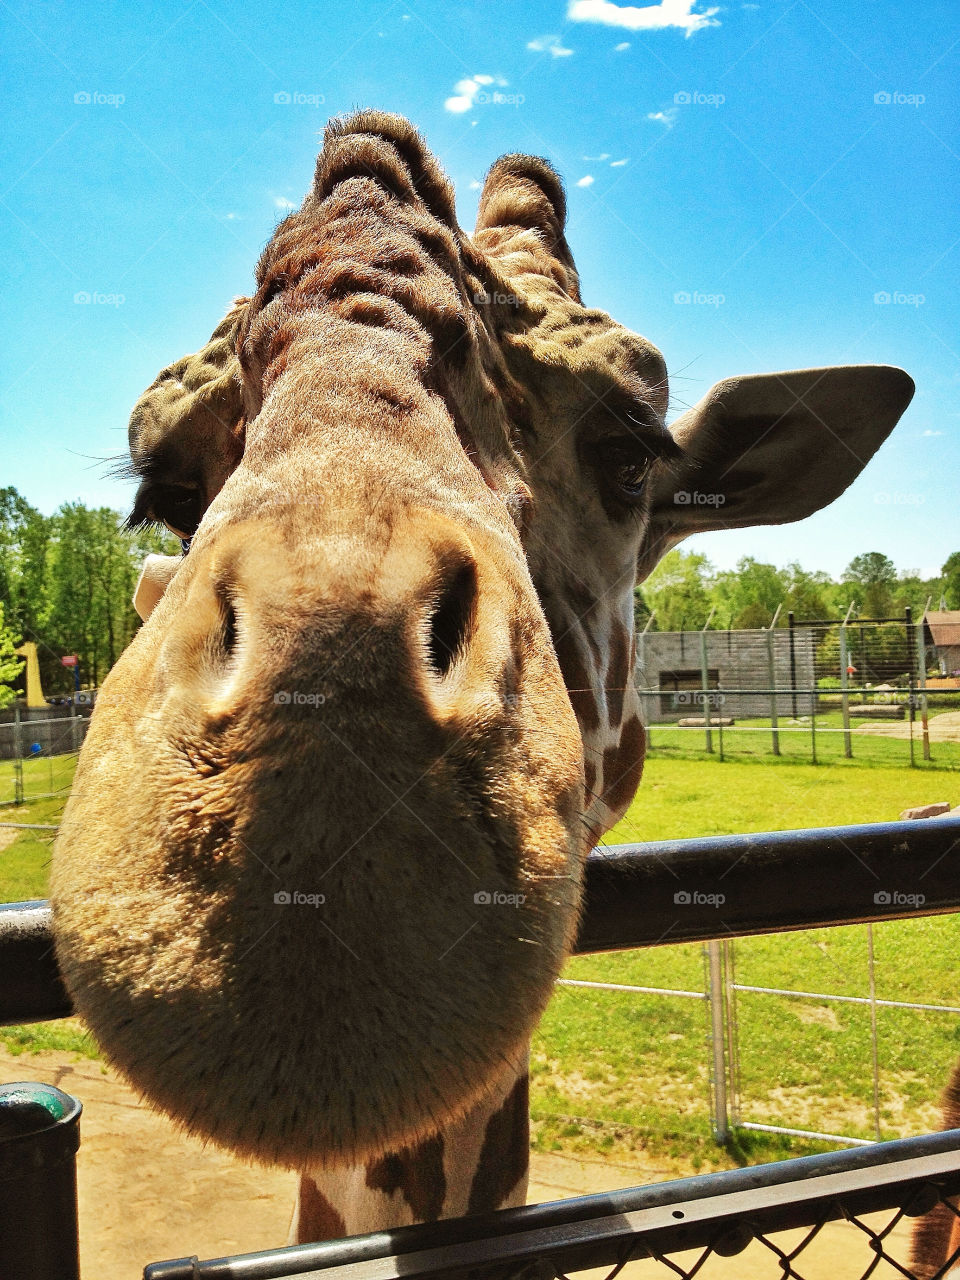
[771, 882]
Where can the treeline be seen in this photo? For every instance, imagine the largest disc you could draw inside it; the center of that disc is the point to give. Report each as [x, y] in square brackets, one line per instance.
[685, 590]
[66, 583]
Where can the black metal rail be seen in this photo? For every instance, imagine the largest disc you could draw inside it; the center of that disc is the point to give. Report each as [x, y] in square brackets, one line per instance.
[722, 1211]
[641, 895]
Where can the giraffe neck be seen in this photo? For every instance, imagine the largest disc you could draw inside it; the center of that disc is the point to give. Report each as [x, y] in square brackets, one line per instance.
[475, 1165]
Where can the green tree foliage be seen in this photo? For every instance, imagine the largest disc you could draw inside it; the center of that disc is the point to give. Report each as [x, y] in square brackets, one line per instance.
[951, 581]
[810, 595]
[873, 577]
[750, 595]
[678, 591]
[10, 664]
[67, 582]
[684, 587]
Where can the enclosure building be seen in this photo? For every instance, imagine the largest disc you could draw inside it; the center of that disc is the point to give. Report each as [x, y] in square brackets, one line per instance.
[674, 667]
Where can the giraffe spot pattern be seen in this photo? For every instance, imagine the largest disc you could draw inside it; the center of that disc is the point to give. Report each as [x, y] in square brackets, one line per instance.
[417, 1172]
[618, 673]
[318, 1219]
[505, 1153]
[623, 765]
[576, 676]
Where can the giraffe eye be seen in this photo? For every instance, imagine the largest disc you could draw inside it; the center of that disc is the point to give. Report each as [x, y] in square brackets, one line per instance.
[178, 507]
[627, 462]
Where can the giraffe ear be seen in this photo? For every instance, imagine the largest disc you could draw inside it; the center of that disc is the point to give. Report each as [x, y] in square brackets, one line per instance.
[771, 448]
[523, 194]
[198, 396]
[155, 576]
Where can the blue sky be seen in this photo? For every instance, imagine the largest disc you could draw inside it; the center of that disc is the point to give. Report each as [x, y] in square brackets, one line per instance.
[782, 163]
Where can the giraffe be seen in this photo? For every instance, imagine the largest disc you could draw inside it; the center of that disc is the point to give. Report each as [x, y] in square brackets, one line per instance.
[322, 860]
[936, 1236]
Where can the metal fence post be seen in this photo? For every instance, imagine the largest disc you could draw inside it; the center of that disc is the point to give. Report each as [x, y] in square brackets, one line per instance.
[39, 1136]
[921, 677]
[772, 668]
[705, 683]
[18, 796]
[844, 681]
[874, 1046]
[718, 1040]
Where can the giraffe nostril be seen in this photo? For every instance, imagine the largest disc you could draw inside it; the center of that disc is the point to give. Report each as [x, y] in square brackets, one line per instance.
[229, 633]
[451, 621]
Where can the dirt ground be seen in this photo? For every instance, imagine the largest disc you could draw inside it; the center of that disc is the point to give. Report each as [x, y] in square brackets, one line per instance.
[147, 1193]
[944, 727]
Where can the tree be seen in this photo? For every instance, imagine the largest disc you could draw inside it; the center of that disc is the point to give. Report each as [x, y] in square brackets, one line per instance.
[10, 664]
[809, 595]
[749, 596]
[873, 576]
[93, 567]
[951, 580]
[678, 591]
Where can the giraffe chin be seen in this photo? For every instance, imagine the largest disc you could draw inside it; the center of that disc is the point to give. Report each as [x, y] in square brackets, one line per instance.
[280, 980]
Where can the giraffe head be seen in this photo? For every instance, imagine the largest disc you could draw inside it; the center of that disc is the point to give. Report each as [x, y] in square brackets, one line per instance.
[321, 864]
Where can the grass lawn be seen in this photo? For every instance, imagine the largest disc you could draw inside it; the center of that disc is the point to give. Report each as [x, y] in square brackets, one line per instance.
[753, 739]
[616, 1071]
[42, 775]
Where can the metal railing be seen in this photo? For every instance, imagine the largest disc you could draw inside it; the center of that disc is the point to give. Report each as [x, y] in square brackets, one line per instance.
[643, 895]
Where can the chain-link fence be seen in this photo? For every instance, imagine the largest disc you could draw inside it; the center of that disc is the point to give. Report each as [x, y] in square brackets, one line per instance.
[38, 753]
[875, 690]
[849, 1214]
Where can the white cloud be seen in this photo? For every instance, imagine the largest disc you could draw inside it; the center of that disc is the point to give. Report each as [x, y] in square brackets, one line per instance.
[586, 180]
[928, 432]
[604, 155]
[465, 92]
[618, 164]
[649, 17]
[664, 117]
[283, 203]
[621, 47]
[549, 44]
[475, 185]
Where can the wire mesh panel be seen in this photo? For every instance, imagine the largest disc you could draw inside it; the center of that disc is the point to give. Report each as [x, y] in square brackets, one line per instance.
[820, 691]
[819, 1218]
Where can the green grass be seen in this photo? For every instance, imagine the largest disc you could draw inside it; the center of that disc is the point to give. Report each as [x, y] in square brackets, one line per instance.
[614, 1072]
[618, 1071]
[41, 776]
[752, 739]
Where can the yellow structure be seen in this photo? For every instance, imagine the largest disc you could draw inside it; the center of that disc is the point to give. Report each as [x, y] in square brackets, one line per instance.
[35, 696]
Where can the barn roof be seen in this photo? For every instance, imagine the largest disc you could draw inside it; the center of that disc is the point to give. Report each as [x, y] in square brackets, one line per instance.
[944, 626]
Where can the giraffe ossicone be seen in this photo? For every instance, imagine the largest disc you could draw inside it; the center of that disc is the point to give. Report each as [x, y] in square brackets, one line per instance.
[322, 861]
